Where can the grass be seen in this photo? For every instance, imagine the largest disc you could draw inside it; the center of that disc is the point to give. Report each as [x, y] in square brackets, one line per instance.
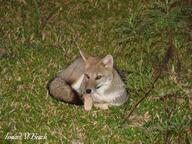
[43, 37]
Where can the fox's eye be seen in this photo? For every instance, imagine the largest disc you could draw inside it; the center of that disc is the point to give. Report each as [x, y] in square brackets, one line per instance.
[98, 77]
[87, 76]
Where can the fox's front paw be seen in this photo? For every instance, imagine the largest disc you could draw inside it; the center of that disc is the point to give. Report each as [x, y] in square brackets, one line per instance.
[103, 106]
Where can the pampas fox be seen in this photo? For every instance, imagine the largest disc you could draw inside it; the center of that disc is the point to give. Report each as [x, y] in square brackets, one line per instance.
[90, 75]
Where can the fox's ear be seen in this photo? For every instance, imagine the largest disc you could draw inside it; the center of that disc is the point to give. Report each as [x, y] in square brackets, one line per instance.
[84, 55]
[108, 61]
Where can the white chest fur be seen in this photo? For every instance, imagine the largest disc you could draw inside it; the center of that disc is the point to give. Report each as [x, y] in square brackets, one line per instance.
[76, 86]
[106, 98]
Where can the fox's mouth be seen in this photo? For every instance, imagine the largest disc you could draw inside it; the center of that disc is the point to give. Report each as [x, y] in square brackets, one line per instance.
[107, 82]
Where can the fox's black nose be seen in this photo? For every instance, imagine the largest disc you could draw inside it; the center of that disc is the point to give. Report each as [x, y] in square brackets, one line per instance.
[88, 91]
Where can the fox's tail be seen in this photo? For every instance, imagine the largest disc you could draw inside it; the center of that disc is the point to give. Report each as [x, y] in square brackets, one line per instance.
[60, 90]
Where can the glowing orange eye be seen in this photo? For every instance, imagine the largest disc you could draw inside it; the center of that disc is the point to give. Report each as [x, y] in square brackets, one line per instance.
[98, 77]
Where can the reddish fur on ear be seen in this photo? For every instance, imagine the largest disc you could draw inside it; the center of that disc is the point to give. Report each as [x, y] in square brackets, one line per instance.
[108, 61]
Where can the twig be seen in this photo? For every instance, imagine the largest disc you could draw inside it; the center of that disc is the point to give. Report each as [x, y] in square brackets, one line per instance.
[168, 55]
[141, 99]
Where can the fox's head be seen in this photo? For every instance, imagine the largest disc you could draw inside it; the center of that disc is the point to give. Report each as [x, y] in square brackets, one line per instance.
[98, 72]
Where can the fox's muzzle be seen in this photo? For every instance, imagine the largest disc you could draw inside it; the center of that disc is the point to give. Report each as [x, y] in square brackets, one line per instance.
[90, 86]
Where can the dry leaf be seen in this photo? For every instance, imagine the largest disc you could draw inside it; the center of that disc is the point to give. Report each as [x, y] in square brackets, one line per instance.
[139, 120]
[2, 52]
[88, 102]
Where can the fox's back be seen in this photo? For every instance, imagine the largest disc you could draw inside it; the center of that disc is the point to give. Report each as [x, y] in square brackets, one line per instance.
[73, 71]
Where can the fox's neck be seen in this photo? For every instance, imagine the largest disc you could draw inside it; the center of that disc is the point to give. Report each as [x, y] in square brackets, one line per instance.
[116, 83]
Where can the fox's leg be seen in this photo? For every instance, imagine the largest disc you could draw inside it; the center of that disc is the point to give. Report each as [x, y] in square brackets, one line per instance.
[59, 89]
[103, 106]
